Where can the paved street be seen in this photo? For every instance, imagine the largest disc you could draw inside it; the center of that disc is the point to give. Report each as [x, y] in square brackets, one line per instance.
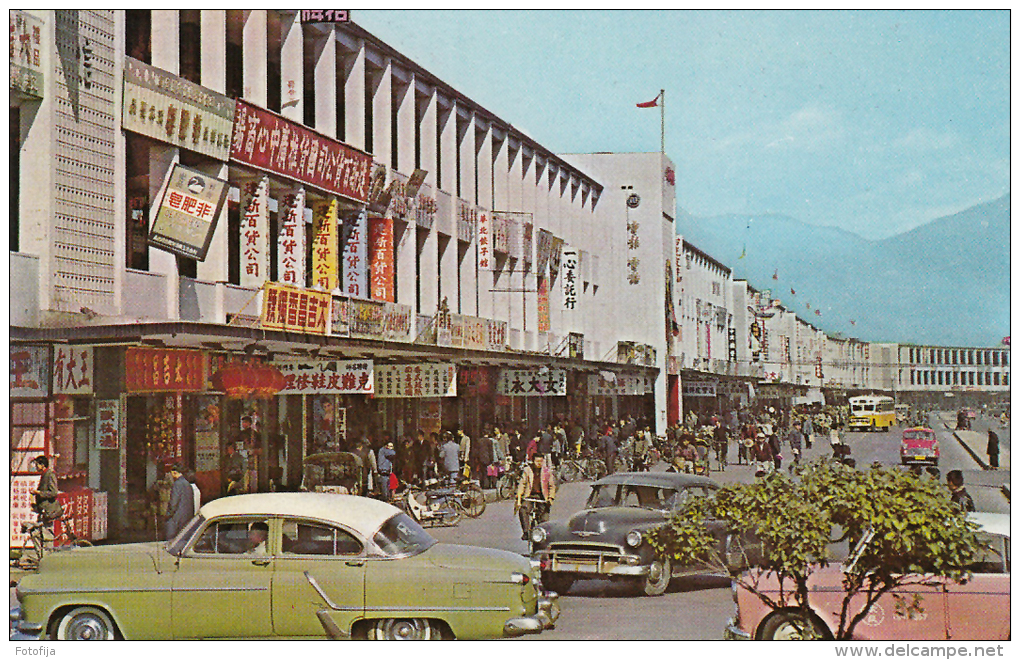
[695, 608]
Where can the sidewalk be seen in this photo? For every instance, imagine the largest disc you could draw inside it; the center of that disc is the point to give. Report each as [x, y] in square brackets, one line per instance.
[975, 443]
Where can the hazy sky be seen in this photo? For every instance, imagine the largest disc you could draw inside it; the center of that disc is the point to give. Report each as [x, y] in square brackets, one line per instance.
[873, 121]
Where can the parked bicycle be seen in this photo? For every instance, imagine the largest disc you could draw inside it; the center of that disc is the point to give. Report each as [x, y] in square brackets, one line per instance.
[585, 468]
[506, 486]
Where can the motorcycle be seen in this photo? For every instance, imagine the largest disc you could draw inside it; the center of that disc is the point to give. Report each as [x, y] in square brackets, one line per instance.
[435, 504]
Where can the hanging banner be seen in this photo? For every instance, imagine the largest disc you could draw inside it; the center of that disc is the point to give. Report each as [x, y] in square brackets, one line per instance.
[72, 369]
[380, 258]
[415, 380]
[290, 252]
[255, 232]
[271, 143]
[485, 255]
[291, 308]
[368, 319]
[532, 382]
[325, 376]
[163, 370]
[500, 233]
[108, 424]
[529, 241]
[543, 304]
[325, 242]
[570, 278]
[168, 108]
[545, 240]
[355, 256]
[188, 213]
[30, 372]
[679, 259]
[495, 335]
[467, 216]
[555, 252]
[26, 70]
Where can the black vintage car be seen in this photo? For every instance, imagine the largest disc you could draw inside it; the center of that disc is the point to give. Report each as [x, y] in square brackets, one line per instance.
[606, 540]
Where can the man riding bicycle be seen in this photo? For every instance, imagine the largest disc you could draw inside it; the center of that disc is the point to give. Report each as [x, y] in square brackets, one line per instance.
[48, 510]
[537, 483]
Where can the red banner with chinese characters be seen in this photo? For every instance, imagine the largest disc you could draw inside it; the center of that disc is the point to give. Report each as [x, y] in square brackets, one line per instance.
[269, 142]
[290, 308]
[164, 370]
[380, 254]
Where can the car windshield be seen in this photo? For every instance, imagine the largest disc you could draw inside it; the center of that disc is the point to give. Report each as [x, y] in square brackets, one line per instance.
[401, 535]
[646, 497]
[175, 546]
[918, 435]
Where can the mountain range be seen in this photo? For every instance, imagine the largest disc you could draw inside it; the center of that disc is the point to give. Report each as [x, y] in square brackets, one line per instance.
[944, 283]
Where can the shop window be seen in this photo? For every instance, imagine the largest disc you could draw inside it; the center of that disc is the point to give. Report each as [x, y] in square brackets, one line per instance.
[28, 434]
[136, 251]
[71, 434]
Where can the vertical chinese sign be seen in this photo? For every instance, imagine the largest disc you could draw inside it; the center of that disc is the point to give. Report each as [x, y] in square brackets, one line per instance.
[570, 278]
[108, 424]
[543, 304]
[355, 257]
[325, 246]
[72, 370]
[485, 244]
[290, 253]
[380, 258]
[255, 232]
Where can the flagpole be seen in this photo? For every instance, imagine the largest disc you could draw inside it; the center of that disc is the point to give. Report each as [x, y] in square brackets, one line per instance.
[662, 119]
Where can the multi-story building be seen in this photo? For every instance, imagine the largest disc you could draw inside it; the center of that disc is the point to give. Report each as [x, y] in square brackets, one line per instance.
[949, 376]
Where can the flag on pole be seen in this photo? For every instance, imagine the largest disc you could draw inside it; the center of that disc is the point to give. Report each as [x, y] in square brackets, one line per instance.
[743, 253]
[654, 103]
[853, 322]
[775, 275]
[792, 292]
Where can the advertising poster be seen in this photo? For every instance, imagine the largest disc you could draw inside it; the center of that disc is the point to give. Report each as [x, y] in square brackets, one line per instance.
[415, 380]
[325, 376]
[30, 372]
[380, 258]
[188, 213]
[290, 308]
[72, 369]
[325, 250]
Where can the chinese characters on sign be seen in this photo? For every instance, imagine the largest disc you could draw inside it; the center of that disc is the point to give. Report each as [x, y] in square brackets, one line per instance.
[187, 215]
[323, 376]
[325, 16]
[415, 380]
[325, 242]
[570, 278]
[290, 308]
[484, 242]
[255, 232]
[699, 388]
[269, 142]
[30, 372]
[72, 369]
[290, 252]
[380, 252]
[633, 243]
[168, 108]
[108, 424]
[620, 385]
[163, 370]
[26, 50]
[355, 256]
[532, 382]
[21, 508]
[543, 304]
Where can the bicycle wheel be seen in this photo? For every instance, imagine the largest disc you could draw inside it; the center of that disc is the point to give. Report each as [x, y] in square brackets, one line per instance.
[473, 501]
[506, 486]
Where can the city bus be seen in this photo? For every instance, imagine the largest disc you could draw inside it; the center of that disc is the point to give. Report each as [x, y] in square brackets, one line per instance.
[872, 413]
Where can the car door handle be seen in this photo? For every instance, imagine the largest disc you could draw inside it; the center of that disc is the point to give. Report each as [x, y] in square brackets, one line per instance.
[355, 562]
[260, 562]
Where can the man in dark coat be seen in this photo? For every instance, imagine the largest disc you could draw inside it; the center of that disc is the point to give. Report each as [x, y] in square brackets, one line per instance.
[46, 507]
[607, 445]
[993, 449]
[181, 508]
[959, 494]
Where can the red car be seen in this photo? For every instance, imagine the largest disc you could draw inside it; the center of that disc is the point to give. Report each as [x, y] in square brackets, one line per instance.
[977, 609]
[919, 445]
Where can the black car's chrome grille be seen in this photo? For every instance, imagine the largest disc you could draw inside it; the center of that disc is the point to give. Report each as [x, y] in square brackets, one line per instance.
[567, 548]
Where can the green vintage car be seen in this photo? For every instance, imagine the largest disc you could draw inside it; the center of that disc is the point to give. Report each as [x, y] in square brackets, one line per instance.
[294, 565]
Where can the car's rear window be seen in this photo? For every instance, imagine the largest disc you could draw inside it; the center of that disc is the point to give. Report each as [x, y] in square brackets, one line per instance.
[918, 435]
[401, 535]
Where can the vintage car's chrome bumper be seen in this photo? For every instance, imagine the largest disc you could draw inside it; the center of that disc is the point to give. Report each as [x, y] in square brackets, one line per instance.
[546, 616]
[735, 633]
[592, 562]
[22, 630]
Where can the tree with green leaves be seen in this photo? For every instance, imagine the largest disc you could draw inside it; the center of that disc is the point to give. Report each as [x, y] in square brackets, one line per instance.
[902, 528]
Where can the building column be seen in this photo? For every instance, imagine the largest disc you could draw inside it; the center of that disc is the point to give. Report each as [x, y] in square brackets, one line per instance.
[292, 68]
[354, 102]
[326, 84]
[403, 89]
[255, 44]
[214, 268]
[381, 83]
[214, 49]
[486, 280]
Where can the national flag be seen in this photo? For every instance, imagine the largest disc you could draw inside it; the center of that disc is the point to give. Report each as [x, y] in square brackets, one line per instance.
[818, 312]
[743, 253]
[775, 275]
[1005, 341]
[654, 103]
[809, 305]
[792, 292]
[853, 322]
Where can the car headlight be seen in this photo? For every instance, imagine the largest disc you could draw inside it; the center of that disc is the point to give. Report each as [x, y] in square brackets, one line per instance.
[634, 538]
[520, 578]
[538, 535]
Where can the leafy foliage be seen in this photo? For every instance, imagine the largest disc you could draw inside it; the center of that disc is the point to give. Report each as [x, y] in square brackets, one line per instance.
[903, 527]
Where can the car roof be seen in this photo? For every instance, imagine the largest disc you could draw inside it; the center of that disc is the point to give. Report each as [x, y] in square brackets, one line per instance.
[993, 523]
[361, 513]
[658, 479]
